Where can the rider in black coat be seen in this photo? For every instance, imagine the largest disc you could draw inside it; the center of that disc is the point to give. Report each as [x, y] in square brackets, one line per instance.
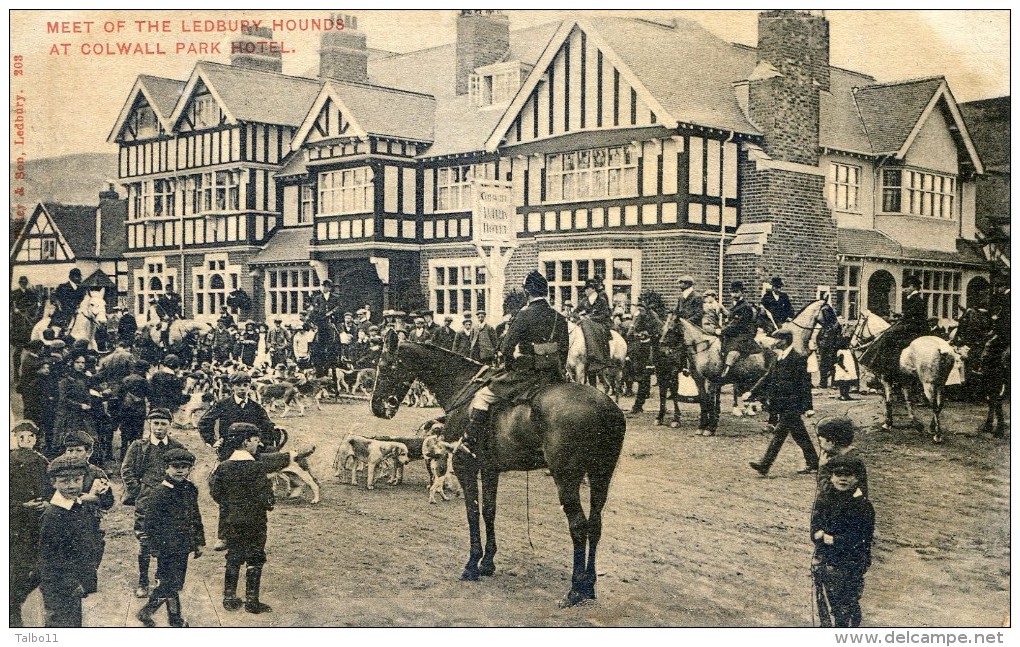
[883, 357]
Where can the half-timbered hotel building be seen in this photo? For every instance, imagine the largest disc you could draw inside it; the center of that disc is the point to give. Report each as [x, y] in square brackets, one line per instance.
[634, 150]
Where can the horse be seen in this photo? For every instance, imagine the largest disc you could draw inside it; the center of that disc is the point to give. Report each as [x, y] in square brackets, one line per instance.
[574, 430]
[90, 317]
[705, 360]
[577, 359]
[928, 360]
[669, 360]
[970, 337]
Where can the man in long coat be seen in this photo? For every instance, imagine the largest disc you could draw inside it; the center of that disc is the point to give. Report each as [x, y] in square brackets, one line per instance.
[883, 356]
[68, 296]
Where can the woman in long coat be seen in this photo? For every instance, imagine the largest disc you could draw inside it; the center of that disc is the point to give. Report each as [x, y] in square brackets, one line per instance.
[74, 402]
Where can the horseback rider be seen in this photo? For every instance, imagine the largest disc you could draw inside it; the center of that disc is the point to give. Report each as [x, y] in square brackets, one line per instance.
[24, 300]
[642, 344]
[689, 305]
[168, 309]
[325, 315]
[595, 317]
[883, 357]
[738, 335]
[998, 335]
[535, 350]
[67, 297]
[777, 303]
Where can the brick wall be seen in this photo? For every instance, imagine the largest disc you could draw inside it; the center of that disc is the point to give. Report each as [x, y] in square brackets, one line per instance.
[482, 39]
[802, 246]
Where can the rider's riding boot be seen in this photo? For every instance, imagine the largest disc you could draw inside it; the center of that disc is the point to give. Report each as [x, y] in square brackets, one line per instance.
[478, 424]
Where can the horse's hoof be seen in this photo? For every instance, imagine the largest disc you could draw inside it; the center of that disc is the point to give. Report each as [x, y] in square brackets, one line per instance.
[469, 575]
[675, 424]
[737, 412]
[658, 423]
[487, 570]
[937, 439]
[708, 432]
[573, 598]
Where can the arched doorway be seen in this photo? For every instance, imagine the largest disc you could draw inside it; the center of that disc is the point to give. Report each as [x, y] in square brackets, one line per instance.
[978, 291]
[881, 291]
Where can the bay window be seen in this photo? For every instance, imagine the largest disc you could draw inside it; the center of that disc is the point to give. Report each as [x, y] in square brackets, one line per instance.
[918, 193]
[591, 174]
[346, 191]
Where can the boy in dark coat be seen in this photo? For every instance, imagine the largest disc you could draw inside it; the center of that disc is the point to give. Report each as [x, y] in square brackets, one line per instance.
[97, 496]
[173, 524]
[788, 388]
[842, 528]
[30, 489]
[68, 544]
[245, 495]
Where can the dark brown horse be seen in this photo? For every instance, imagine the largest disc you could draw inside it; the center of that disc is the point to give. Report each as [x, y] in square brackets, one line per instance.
[571, 429]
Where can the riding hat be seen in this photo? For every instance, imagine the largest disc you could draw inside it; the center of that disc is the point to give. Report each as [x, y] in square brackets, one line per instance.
[178, 456]
[737, 286]
[536, 284]
[160, 413]
[592, 283]
[777, 282]
[328, 282]
[65, 465]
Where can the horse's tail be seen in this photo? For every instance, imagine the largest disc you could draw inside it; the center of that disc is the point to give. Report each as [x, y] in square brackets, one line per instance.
[945, 367]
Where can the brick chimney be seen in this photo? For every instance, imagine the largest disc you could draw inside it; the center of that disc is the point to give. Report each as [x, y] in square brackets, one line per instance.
[793, 67]
[343, 55]
[483, 38]
[250, 49]
[106, 200]
[782, 201]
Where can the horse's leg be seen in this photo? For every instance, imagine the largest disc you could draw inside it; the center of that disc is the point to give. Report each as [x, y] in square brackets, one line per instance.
[934, 394]
[995, 408]
[910, 407]
[662, 398]
[599, 490]
[466, 470]
[888, 395]
[569, 488]
[674, 395]
[490, 483]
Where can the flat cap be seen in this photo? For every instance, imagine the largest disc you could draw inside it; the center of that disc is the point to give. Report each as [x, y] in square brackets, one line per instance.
[178, 455]
[160, 414]
[242, 430]
[686, 278]
[240, 377]
[78, 439]
[846, 465]
[65, 465]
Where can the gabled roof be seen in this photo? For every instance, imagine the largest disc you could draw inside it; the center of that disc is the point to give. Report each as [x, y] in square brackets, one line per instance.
[251, 95]
[374, 110]
[894, 113]
[161, 94]
[287, 245]
[988, 123]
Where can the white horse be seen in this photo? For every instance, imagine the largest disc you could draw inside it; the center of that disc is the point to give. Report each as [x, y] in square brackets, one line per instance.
[44, 322]
[577, 357]
[91, 315]
[928, 359]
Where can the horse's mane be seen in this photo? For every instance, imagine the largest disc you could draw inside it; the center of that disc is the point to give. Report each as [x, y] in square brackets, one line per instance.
[445, 351]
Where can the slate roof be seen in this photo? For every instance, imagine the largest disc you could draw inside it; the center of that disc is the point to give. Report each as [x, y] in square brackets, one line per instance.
[164, 93]
[288, 244]
[262, 97]
[891, 110]
[870, 243]
[988, 123]
[387, 111]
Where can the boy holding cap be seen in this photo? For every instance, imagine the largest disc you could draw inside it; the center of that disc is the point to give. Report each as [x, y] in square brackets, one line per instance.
[842, 529]
[143, 470]
[239, 485]
[174, 526]
[68, 543]
[30, 489]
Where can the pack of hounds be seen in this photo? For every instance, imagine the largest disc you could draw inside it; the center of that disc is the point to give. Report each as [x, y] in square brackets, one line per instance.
[285, 388]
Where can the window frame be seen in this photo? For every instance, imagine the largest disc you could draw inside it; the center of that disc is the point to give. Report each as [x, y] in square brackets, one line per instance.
[453, 279]
[850, 201]
[585, 264]
[346, 191]
[917, 192]
[453, 188]
[584, 176]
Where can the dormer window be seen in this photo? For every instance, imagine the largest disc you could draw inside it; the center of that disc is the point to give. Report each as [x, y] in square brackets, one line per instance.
[145, 125]
[206, 112]
[495, 84]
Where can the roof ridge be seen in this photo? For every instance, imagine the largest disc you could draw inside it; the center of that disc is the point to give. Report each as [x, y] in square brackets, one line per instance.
[249, 69]
[160, 78]
[454, 43]
[375, 86]
[920, 79]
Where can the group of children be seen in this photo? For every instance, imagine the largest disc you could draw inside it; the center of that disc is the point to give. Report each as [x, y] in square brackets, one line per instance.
[56, 538]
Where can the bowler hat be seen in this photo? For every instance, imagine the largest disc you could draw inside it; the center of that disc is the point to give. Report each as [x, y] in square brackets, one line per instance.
[178, 455]
[65, 465]
[777, 282]
[536, 284]
[160, 413]
[327, 282]
[737, 286]
[592, 283]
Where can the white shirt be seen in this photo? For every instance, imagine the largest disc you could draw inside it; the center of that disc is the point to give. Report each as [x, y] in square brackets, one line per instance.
[241, 455]
[686, 293]
[156, 441]
[61, 501]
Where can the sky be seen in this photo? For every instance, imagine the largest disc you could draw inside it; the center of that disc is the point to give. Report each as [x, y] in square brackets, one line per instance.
[71, 99]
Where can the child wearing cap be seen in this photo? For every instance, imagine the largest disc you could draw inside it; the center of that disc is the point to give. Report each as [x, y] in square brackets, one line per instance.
[835, 438]
[842, 529]
[30, 489]
[173, 524]
[97, 496]
[68, 543]
[239, 485]
[143, 470]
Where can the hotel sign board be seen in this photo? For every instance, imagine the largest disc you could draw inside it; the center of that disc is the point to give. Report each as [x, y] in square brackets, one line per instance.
[493, 214]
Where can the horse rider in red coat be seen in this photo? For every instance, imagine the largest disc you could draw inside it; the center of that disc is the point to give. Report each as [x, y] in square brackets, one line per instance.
[534, 349]
[883, 356]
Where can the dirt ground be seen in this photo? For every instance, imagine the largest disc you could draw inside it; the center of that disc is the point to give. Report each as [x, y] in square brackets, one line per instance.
[692, 536]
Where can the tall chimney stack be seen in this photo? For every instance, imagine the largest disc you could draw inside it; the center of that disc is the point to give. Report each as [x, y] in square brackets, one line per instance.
[483, 38]
[250, 49]
[793, 67]
[343, 55]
